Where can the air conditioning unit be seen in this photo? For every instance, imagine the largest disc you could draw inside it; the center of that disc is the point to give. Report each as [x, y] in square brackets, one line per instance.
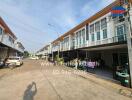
[121, 18]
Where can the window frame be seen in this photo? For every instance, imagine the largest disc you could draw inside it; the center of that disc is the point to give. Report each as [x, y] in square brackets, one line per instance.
[92, 37]
[105, 36]
[98, 34]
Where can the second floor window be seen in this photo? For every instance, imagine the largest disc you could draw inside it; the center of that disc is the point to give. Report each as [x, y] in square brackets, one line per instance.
[120, 30]
[98, 35]
[80, 37]
[87, 32]
[103, 23]
[83, 36]
[104, 33]
[97, 26]
[92, 37]
[1, 31]
[92, 28]
[11, 39]
[77, 38]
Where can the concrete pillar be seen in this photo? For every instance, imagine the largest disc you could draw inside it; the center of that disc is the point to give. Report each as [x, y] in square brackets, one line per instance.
[110, 29]
[86, 54]
[69, 46]
[129, 43]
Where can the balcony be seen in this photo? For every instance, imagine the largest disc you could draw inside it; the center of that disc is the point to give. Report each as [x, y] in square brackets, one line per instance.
[19, 49]
[115, 39]
[7, 42]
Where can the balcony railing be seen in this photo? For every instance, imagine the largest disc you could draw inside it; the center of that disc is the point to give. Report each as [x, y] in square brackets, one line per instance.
[7, 42]
[119, 38]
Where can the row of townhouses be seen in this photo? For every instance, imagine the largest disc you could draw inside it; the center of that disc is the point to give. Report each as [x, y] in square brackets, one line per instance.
[100, 36]
[9, 46]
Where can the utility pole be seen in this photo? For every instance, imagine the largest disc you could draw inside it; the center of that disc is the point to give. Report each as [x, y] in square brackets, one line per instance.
[51, 25]
[129, 38]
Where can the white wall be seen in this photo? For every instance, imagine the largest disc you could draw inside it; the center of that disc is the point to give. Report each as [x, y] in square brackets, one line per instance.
[7, 42]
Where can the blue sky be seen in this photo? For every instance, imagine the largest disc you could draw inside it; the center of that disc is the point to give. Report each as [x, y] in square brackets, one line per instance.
[29, 19]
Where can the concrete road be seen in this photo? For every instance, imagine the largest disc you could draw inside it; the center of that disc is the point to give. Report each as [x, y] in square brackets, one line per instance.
[37, 80]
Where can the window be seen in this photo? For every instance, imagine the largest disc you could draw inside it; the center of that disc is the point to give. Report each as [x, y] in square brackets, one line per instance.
[120, 32]
[66, 42]
[92, 37]
[11, 40]
[92, 28]
[83, 36]
[104, 33]
[87, 32]
[79, 37]
[1, 31]
[98, 35]
[97, 26]
[103, 23]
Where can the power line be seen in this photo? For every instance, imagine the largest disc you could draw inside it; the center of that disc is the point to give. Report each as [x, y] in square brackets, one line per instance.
[18, 20]
[13, 24]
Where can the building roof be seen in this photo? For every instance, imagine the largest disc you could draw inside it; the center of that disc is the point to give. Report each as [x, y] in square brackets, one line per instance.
[7, 29]
[89, 20]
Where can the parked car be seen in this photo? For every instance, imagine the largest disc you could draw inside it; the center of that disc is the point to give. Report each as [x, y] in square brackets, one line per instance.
[34, 58]
[14, 61]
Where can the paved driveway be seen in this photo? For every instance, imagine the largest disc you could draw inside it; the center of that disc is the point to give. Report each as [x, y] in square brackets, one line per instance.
[36, 80]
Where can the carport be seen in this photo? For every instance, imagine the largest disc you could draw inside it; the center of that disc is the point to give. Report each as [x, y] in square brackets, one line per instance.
[112, 56]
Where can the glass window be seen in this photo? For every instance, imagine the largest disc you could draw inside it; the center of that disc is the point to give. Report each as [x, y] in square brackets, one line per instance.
[103, 23]
[79, 37]
[92, 37]
[92, 28]
[11, 40]
[97, 26]
[120, 32]
[104, 33]
[83, 36]
[98, 35]
[87, 32]
[1, 30]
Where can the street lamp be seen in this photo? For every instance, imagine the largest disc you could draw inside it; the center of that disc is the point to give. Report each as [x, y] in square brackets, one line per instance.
[53, 26]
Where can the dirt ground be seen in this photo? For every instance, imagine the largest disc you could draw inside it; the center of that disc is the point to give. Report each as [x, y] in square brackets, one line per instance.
[37, 80]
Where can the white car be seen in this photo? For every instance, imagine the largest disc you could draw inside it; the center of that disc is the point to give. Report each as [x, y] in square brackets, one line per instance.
[14, 61]
[34, 58]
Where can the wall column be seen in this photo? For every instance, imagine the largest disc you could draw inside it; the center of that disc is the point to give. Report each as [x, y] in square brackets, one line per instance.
[129, 43]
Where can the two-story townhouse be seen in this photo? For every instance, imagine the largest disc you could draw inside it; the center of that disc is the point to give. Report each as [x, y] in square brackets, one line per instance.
[19, 47]
[8, 45]
[102, 37]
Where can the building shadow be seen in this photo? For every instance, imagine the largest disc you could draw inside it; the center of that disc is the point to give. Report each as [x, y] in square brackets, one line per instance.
[30, 92]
